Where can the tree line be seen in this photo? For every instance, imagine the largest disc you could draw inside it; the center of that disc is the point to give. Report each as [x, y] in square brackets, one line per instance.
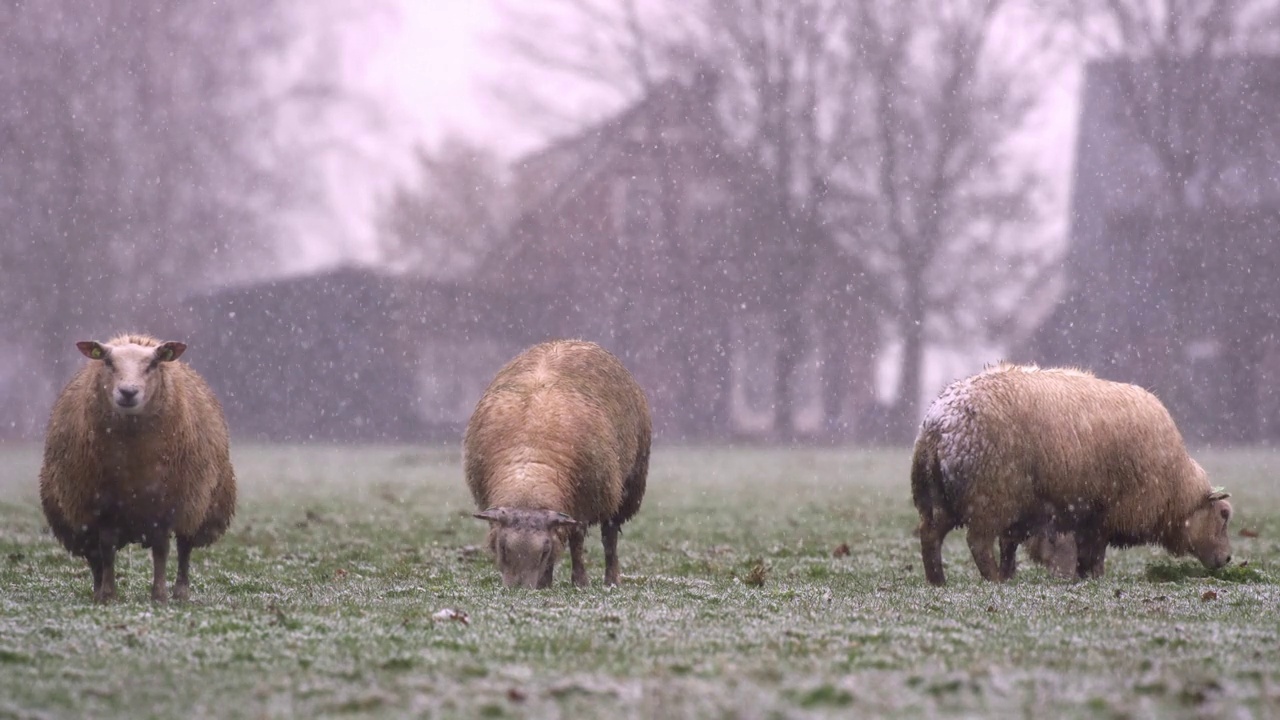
[141, 153]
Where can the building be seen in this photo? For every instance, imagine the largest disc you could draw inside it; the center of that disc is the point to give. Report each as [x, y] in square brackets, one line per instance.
[645, 233]
[350, 355]
[1173, 256]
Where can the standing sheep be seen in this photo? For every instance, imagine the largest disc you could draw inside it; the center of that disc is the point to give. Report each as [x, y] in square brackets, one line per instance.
[558, 442]
[1014, 449]
[136, 449]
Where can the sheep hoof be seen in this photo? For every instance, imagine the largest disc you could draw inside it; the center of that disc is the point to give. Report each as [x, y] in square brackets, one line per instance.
[160, 596]
[181, 593]
[104, 598]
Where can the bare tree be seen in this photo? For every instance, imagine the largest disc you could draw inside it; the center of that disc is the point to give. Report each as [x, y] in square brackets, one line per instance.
[952, 209]
[792, 96]
[783, 78]
[132, 162]
[881, 128]
[1171, 61]
[441, 227]
[575, 60]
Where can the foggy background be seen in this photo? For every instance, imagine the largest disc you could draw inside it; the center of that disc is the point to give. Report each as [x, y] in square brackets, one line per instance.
[794, 220]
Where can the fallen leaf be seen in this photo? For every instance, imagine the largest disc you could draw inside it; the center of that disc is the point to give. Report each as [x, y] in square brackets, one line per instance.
[842, 550]
[756, 575]
[991, 608]
[339, 574]
[1119, 593]
[1248, 532]
[1209, 595]
[451, 614]
[516, 695]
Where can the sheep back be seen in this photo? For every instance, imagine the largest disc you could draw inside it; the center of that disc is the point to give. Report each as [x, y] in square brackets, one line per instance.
[563, 427]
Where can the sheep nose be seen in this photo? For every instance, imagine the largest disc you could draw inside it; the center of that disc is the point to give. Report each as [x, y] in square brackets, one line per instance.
[128, 393]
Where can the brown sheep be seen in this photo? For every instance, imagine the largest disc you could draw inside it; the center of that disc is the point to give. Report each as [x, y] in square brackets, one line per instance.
[1016, 448]
[136, 450]
[559, 442]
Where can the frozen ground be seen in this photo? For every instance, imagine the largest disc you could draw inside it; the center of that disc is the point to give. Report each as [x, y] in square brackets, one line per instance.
[320, 602]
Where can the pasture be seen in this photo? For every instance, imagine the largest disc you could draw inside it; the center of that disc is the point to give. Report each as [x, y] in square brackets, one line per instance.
[326, 598]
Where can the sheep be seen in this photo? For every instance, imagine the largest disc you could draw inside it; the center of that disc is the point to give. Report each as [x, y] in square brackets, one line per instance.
[558, 442]
[1015, 449]
[136, 449]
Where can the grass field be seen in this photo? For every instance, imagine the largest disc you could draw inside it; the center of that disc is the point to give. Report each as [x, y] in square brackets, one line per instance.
[320, 602]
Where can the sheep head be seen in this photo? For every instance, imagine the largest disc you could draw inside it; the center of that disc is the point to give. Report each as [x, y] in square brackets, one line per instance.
[1206, 530]
[129, 371]
[526, 543]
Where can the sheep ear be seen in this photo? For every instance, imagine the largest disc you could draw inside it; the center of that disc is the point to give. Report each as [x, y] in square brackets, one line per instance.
[493, 514]
[1218, 495]
[92, 350]
[170, 351]
[562, 520]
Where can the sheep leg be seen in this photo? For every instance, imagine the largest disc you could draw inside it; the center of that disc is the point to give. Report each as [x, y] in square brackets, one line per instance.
[609, 532]
[106, 591]
[182, 585]
[577, 537]
[1091, 552]
[981, 545]
[931, 536]
[1008, 558]
[159, 562]
[95, 567]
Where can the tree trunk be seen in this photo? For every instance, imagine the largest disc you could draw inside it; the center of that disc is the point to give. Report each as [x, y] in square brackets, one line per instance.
[789, 351]
[848, 371]
[906, 410]
[836, 375]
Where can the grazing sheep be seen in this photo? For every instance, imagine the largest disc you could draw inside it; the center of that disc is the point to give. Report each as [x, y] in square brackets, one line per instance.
[136, 449]
[1016, 448]
[558, 442]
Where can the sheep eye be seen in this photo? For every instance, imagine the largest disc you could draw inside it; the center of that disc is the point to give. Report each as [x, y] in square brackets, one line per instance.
[1226, 514]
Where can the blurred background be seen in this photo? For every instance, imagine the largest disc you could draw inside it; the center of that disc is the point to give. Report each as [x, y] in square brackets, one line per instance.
[794, 220]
